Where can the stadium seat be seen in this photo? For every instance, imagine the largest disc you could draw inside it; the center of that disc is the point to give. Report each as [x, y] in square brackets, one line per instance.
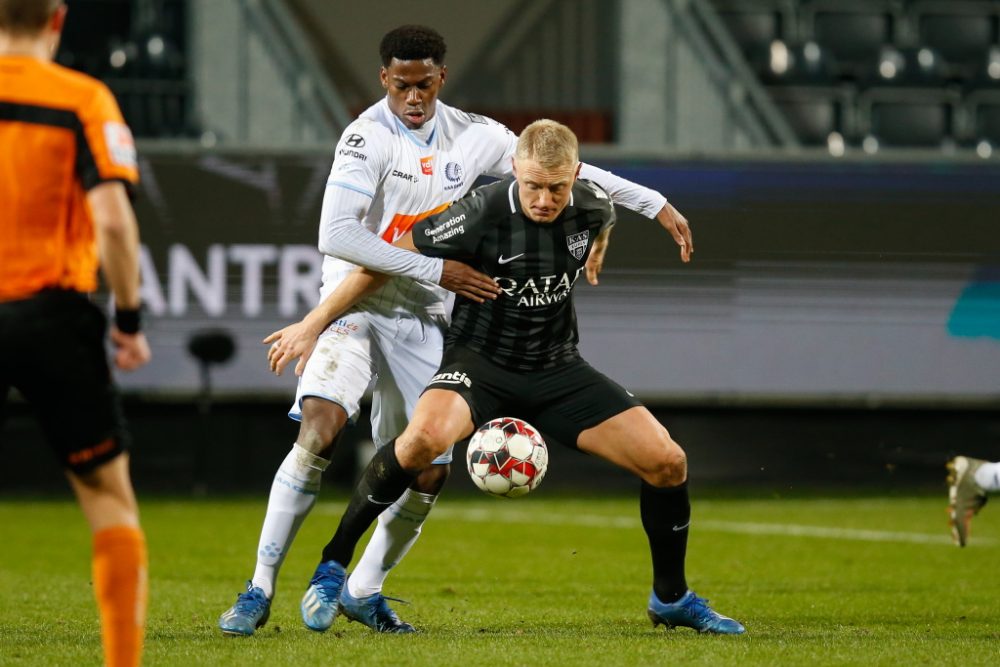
[753, 26]
[988, 122]
[802, 64]
[815, 112]
[908, 117]
[854, 32]
[144, 66]
[962, 31]
[983, 109]
[916, 66]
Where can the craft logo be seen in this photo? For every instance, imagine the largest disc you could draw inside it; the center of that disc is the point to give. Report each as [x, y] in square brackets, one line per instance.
[577, 243]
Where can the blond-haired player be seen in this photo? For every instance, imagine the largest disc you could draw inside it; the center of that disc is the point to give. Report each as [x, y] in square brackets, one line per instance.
[405, 158]
[517, 356]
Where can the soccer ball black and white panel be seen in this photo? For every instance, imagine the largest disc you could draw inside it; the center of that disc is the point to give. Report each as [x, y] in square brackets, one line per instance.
[507, 457]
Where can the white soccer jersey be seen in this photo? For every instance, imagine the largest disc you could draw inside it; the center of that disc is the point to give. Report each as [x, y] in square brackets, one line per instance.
[409, 175]
[408, 178]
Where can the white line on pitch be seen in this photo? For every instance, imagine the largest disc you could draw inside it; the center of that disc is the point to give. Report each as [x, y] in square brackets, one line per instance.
[483, 515]
[479, 515]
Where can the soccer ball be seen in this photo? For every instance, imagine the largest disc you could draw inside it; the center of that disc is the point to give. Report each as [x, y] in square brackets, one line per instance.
[507, 457]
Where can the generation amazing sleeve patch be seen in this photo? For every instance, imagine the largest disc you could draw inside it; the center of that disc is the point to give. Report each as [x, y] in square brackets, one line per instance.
[453, 233]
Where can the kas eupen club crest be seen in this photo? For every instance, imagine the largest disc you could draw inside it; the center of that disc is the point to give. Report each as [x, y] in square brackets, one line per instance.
[577, 243]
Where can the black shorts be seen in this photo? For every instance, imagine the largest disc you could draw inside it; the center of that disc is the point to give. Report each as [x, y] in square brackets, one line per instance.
[52, 351]
[560, 402]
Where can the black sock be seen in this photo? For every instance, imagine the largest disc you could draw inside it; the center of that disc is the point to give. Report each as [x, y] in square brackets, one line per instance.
[382, 483]
[666, 515]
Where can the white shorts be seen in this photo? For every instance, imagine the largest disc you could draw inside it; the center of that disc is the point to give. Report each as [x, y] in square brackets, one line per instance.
[396, 354]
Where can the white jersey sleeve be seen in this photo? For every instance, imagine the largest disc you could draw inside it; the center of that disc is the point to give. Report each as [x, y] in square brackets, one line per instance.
[625, 193]
[361, 159]
[342, 235]
[359, 167]
[499, 146]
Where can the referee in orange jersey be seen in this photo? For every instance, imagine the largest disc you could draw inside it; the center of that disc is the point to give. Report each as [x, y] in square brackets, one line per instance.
[67, 160]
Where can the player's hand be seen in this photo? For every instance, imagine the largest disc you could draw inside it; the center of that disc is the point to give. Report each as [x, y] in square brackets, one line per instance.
[131, 350]
[296, 341]
[675, 223]
[595, 262]
[465, 281]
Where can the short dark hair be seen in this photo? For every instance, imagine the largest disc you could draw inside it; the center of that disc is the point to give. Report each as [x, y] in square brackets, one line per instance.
[26, 17]
[412, 42]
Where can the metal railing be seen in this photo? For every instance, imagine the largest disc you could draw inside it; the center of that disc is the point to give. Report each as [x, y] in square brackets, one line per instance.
[749, 104]
[315, 96]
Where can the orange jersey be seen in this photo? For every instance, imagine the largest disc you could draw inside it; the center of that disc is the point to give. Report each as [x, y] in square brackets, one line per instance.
[61, 134]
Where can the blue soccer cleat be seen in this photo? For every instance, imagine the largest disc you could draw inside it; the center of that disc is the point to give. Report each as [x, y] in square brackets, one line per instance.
[691, 611]
[373, 610]
[319, 604]
[249, 613]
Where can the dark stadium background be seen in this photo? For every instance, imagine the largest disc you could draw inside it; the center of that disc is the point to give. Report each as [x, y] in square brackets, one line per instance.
[838, 326]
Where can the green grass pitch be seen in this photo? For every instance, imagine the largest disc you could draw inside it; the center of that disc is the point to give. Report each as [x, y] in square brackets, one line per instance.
[544, 580]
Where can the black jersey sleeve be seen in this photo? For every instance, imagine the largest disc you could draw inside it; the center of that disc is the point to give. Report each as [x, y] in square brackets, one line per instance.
[454, 233]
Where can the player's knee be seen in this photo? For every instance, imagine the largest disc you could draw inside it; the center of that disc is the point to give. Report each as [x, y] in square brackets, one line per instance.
[424, 442]
[322, 422]
[667, 466]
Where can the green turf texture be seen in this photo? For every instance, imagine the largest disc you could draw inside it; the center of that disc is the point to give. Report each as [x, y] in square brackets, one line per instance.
[543, 580]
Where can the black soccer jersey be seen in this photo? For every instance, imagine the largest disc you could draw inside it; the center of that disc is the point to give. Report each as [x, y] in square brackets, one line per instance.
[532, 324]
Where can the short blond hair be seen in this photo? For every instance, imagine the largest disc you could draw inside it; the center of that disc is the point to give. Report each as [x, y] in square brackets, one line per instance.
[548, 143]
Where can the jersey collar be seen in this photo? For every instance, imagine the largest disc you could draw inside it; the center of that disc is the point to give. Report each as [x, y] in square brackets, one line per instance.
[412, 136]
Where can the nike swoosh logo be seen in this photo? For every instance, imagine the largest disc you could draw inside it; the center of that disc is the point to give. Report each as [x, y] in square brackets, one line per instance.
[505, 260]
[378, 502]
[676, 528]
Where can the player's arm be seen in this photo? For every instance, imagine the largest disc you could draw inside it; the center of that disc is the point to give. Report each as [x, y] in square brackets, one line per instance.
[623, 192]
[105, 168]
[645, 201]
[298, 340]
[118, 247]
[355, 178]
[677, 226]
[595, 261]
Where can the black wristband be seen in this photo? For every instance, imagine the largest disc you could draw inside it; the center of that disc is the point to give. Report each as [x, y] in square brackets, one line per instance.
[128, 320]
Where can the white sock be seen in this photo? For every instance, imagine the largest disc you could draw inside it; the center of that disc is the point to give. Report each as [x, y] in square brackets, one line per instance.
[397, 529]
[293, 494]
[988, 476]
